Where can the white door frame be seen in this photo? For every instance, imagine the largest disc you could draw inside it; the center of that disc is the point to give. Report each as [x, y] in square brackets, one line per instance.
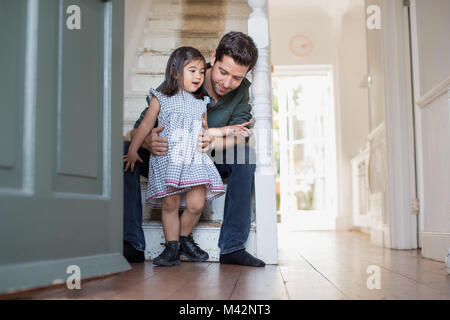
[418, 116]
[401, 182]
[309, 221]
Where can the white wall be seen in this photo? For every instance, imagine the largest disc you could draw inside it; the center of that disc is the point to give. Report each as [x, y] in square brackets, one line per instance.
[432, 57]
[286, 22]
[353, 93]
[433, 24]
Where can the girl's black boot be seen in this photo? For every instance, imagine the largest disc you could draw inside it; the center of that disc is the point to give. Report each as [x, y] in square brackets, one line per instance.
[170, 256]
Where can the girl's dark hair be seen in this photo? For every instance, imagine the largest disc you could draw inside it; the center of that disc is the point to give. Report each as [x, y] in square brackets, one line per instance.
[174, 71]
[238, 46]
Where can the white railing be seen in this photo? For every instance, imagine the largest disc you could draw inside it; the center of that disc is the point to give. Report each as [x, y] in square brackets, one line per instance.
[266, 221]
[434, 93]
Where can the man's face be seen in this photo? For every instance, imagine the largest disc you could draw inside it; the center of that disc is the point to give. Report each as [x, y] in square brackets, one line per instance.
[226, 75]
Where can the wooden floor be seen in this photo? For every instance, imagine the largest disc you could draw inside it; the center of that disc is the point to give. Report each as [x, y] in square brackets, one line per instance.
[312, 265]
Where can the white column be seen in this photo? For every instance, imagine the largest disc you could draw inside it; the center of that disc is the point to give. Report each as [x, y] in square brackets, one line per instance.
[266, 222]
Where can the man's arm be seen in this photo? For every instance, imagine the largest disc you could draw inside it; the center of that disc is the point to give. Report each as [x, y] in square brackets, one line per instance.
[223, 143]
[241, 114]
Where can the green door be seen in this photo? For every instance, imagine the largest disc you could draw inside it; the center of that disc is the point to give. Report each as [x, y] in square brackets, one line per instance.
[61, 90]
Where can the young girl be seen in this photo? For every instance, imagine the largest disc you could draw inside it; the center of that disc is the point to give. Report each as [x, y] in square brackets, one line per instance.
[184, 177]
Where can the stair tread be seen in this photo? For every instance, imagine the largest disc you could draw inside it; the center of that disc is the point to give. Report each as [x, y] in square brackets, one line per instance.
[153, 16]
[146, 49]
[147, 72]
[201, 224]
[156, 33]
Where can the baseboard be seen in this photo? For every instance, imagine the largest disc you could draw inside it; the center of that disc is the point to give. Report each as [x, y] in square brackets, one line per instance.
[343, 223]
[32, 275]
[380, 236]
[435, 245]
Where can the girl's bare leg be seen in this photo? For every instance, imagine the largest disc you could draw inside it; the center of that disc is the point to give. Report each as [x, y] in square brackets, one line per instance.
[195, 201]
[170, 219]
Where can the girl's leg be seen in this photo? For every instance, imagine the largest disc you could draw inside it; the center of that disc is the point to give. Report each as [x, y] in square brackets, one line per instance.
[171, 226]
[195, 201]
[170, 219]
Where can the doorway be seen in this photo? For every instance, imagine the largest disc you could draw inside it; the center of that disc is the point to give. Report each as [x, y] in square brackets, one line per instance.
[308, 192]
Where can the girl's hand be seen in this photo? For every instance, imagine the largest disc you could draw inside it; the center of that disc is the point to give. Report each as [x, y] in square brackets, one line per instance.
[205, 141]
[130, 160]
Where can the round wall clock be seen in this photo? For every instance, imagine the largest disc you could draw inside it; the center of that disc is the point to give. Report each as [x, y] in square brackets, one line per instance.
[301, 45]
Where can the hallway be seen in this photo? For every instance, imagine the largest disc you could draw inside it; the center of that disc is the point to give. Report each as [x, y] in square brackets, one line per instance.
[313, 265]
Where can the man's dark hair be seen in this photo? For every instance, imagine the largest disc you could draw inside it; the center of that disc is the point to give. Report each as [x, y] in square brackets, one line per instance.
[238, 46]
[174, 71]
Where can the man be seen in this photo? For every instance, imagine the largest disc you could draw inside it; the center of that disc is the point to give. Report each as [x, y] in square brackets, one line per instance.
[226, 85]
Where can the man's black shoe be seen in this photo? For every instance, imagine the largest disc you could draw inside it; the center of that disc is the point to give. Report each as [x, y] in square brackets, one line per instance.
[242, 258]
[132, 254]
[170, 256]
[191, 250]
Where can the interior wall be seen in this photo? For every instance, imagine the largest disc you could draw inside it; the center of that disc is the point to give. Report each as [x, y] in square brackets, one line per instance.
[354, 103]
[286, 22]
[432, 25]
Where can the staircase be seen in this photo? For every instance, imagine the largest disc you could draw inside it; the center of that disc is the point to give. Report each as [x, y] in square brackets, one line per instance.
[170, 24]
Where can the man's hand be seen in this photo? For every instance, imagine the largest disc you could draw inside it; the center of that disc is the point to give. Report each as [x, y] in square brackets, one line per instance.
[155, 144]
[205, 142]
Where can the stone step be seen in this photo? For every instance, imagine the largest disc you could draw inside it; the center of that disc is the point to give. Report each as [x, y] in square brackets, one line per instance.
[136, 94]
[205, 234]
[218, 24]
[167, 43]
[156, 60]
[141, 82]
[205, 7]
[134, 104]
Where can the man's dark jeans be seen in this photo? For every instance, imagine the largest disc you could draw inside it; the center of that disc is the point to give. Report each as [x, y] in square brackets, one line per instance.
[132, 202]
[237, 211]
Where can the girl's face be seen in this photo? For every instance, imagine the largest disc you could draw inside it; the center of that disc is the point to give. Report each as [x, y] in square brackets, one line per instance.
[193, 75]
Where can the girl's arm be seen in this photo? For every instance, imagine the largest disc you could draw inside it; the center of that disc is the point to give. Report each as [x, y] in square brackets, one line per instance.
[236, 129]
[141, 133]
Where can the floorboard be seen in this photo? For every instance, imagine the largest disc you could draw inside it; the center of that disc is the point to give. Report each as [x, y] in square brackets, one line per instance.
[312, 265]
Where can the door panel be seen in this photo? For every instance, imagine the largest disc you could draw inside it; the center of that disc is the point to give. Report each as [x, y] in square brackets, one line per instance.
[12, 92]
[61, 120]
[80, 78]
